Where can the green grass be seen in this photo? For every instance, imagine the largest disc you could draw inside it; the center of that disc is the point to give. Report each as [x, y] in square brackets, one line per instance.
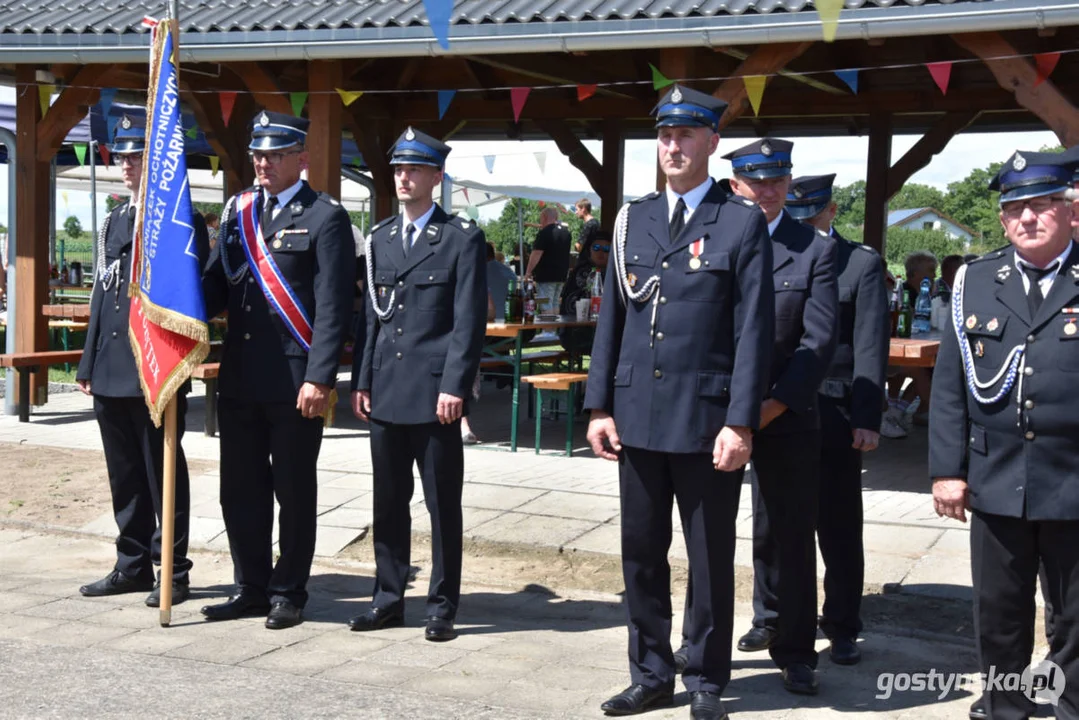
[56, 374]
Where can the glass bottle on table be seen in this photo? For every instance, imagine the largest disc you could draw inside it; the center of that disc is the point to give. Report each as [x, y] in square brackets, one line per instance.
[529, 302]
[906, 316]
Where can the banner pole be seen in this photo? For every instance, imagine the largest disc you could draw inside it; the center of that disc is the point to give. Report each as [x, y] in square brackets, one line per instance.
[168, 512]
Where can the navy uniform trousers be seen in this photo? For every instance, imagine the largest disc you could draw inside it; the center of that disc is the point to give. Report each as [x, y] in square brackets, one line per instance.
[134, 455]
[439, 454]
[708, 506]
[269, 450]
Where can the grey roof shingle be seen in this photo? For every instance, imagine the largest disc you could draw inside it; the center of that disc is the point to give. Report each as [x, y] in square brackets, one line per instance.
[223, 16]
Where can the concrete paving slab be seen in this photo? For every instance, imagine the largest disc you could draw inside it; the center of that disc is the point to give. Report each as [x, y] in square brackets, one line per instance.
[579, 506]
[532, 530]
[297, 662]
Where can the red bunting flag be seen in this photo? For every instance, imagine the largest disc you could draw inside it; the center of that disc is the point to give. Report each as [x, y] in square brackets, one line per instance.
[1046, 63]
[585, 91]
[518, 96]
[228, 99]
[942, 73]
[104, 149]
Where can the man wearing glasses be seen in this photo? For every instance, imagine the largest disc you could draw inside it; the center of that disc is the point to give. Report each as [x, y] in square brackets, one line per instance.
[134, 448]
[1003, 430]
[284, 268]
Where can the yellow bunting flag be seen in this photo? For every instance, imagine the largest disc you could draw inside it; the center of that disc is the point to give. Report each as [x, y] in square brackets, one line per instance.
[755, 90]
[349, 96]
[215, 163]
[64, 196]
[829, 17]
[44, 94]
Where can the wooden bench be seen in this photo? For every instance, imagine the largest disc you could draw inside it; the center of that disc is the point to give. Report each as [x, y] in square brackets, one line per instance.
[566, 382]
[207, 372]
[31, 362]
[550, 356]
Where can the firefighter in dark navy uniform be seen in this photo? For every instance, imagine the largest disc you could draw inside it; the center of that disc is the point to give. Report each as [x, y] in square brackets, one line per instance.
[851, 399]
[134, 448]
[426, 315]
[284, 270]
[787, 450]
[1003, 429]
[678, 372]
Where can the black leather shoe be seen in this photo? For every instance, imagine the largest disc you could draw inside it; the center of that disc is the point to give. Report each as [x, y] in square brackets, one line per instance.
[707, 706]
[116, 583]
[638, 698]
[377, 619]
[439, 630]
[180, 592]
[283, 615]
[757, 639]
[978, 711]
[844, 651]
[800, 679]
[236, 607]
[681, 659]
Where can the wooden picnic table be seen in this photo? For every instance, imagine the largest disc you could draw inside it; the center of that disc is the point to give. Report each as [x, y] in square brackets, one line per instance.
[506, 332]
[67, 311]
[914, 352]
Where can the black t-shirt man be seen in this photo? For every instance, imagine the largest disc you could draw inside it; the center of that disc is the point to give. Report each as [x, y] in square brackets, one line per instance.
[554, 242]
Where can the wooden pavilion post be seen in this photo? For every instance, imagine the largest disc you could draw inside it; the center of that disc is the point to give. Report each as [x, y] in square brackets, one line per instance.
[876, 185]
[610, 190]
[325, 111]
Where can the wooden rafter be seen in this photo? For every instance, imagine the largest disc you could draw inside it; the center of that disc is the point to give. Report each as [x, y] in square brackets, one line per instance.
[208, 115]
[70, 107]
[766, 60]
[929, 145]
[263, 86]
[546, 77]
[1018, 75]
[574, 150]
[797, 77]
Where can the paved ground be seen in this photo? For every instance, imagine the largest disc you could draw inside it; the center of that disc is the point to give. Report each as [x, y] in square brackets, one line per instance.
[525, 650]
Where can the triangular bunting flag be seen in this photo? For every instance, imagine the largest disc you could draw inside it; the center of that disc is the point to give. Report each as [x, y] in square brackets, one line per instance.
[215, 163]
[349, 96]
[44, 94]
[829, 17]
[80, 153]
[1046, 63]
[357, 161]
[106, 156]
[298, 100]
[465, 191]
[942, 73]
[64, 196]
[541, 160]
[228, 100]
[755, 90]
[659, 80]
[518, 97]
[438, 15]
[489, 161]
[487, 195]
[445, 97]
[585, 91]
[192, 132]
[850, 77]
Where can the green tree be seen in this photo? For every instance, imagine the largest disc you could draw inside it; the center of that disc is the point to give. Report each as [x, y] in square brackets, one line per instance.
[72, 227]
[112, 202]
[903, 241]
[970, 202]
[916, 195]
[204, 208]
[850, 204]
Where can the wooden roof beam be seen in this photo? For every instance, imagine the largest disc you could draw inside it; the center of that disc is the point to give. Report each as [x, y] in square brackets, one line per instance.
[208, 114]
[70, 107]
[809, 80]
[929, 145]
[766, 60]
[546, 77]
[263, 86]
[572, 147]
[1017, 75]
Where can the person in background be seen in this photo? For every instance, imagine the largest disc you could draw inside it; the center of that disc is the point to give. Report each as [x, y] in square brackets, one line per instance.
[548, 263]
[213, 226]
[583, 246]
[949, 266]
[499, 277]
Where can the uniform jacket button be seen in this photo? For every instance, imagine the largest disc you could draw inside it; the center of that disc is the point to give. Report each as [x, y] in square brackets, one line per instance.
[401, 307]
[663, 301]
[247, 308]
[399, 356]
[658, 373]
[400, 331]
[250, 279]
[1028, 371]
[1029, 404]
[1029, 435]
[659, 336]
[114, 333]
[247, 336]
[400, 283]
[430, 277]
[665, 265]
[1030, 338]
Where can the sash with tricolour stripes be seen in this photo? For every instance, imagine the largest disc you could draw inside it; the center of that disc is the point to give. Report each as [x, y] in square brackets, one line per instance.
[262, 266]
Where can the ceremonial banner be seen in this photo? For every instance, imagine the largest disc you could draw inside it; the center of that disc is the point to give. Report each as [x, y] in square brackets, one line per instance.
[168, 314]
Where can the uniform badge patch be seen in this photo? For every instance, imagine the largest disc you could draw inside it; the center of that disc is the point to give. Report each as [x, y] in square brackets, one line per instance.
[264, 120]
[632, 280]
[1019, 163]
[125, 123]
[676, 96]
[766, 149]
[972, 321]
[979, 349]
[992, 325]
[382, 292]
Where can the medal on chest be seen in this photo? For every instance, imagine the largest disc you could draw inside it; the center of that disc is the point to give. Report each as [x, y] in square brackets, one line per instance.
[695, 249]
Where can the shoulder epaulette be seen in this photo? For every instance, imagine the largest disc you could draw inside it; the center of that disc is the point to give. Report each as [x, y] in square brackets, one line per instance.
[991, 255]
[326, 197]
[382, 224]
[743, 200]
[649, 196]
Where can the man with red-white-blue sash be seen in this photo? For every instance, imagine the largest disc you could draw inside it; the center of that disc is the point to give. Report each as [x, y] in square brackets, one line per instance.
[284, 271]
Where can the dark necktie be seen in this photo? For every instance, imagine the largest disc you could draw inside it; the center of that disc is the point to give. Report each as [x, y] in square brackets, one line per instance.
[267, 212]
[1034, 295]
[406, 239]
[678, 220]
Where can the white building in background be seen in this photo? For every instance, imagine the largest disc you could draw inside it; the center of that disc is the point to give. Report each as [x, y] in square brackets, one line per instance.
[928, 218]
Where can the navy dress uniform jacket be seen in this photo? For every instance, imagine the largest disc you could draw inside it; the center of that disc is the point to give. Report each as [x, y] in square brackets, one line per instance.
[707, 365]
[433, 341]
[806, 309]
[108, 361]
[856, 376]
[261, 360]
[1020, 462]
